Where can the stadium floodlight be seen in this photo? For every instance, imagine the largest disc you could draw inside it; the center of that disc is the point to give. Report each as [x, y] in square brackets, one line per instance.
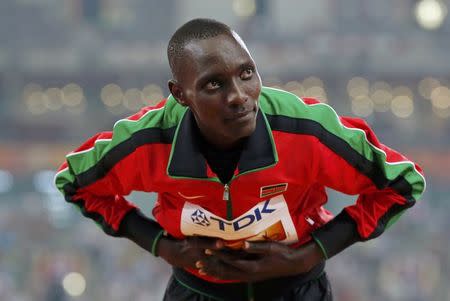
[430, 14]
[74, 284]
[244, 8]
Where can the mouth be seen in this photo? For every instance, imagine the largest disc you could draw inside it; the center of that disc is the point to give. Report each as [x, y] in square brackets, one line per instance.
[241, 116]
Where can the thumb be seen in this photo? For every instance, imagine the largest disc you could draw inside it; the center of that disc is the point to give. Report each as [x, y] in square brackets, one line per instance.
[259, 247]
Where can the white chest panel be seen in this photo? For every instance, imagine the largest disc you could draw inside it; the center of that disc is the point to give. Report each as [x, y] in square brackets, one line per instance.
[268, 220]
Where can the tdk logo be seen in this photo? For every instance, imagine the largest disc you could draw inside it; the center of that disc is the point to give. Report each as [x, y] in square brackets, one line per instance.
[199, 218]
[243, 221]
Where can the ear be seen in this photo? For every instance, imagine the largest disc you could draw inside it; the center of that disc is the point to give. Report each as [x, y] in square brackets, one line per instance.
[177, 92]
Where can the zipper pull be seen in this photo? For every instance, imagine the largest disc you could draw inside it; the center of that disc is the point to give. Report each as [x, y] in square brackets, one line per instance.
[226, 192]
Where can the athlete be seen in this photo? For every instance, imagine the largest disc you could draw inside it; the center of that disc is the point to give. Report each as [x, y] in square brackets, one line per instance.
[240, 171]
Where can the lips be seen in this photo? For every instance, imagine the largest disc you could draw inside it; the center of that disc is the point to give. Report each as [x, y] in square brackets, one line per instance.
[238, 116]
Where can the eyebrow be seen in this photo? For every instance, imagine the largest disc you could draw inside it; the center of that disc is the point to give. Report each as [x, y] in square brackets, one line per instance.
[216, 74]
[208, 76]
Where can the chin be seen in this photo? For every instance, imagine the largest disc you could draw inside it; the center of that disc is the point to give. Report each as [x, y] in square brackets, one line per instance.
[245, 130]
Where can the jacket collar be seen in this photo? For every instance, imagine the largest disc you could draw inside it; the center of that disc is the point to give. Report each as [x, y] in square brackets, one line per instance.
[187, 161]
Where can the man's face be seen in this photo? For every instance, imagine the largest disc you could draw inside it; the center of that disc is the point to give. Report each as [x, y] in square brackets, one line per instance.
[220, 84]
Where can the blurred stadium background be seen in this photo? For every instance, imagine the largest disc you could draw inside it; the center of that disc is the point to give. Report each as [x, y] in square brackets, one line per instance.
[70, 68]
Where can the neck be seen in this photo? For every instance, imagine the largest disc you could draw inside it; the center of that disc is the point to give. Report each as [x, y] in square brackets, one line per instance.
[221, 143]
[218, 142]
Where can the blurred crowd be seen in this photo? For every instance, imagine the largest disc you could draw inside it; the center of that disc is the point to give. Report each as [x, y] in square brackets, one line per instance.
[410, 262]
[71, 68]
[36, 256]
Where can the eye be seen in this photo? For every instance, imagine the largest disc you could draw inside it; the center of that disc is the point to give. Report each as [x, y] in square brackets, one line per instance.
[212, 85]
[247, 73]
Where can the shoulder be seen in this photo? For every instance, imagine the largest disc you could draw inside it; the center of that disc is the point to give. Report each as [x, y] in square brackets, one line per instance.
[166, 114]
[280, 102]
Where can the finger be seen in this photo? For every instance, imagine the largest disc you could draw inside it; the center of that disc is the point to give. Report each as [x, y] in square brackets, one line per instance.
[199, 264]
[235, 260]
[221, 270]
[260, 247]
[205, 243]
[225, 255]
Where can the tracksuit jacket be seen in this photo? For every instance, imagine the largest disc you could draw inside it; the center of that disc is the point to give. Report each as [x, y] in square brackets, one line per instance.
[299, 147]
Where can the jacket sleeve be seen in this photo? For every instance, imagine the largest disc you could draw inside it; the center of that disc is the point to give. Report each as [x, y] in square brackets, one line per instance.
[350, 159]
[96, 176]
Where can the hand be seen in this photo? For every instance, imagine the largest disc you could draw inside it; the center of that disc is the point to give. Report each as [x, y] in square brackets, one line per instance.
[269, 260]
[185, 253]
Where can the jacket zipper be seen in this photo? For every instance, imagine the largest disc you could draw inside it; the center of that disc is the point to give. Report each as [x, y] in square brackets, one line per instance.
[227, 198]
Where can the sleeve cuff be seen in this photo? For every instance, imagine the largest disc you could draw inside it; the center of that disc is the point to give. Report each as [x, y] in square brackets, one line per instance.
[336, 235]
[142, 230]
[155, 242]
[319, 243]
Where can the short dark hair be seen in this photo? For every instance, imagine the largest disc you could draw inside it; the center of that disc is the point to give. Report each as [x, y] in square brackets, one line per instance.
[196, 29]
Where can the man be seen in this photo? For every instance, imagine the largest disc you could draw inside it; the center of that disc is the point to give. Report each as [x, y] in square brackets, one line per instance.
[240, 171]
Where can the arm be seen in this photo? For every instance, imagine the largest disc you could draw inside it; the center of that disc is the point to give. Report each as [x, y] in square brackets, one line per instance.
[97, 176]
[260, 260]
[352, 160]
[150, 236]
[94, 188]
[348, 158]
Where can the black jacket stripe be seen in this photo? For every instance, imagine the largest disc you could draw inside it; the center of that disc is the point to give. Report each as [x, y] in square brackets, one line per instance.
[104, 165]
[120, 151]
[359, 162]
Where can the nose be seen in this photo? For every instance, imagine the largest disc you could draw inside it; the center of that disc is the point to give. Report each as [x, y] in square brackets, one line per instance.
[236, 95]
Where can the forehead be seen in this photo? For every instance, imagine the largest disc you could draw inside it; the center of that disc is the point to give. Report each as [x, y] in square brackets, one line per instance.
[218, 53]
